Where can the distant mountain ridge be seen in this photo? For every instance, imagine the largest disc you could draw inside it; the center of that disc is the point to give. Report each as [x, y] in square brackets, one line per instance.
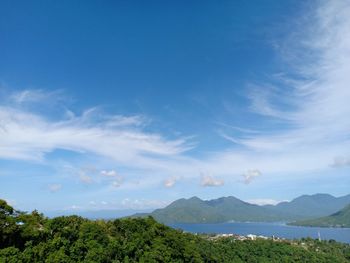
[225, 209]
[97, 214]
[312, 206]
[338, 219]
[195, 210]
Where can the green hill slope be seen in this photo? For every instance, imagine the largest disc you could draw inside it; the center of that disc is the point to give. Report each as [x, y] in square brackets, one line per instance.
[224, 209]
[338, 219]
[312, 206]
[195, 210]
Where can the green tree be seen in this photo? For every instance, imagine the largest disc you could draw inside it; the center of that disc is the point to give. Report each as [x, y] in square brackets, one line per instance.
[9, 230]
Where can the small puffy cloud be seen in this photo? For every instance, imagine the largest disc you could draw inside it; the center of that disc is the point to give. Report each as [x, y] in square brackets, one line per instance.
[207, 180]
[84, 178]
[170, 182]
[340, 161]
[86, 174]
[250, 175]
[54, 187]
[110, 173]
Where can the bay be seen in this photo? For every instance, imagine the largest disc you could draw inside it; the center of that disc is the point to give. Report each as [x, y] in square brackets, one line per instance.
[268, 229]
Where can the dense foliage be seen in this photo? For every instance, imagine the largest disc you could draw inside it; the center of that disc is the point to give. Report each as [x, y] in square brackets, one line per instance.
[34, 238]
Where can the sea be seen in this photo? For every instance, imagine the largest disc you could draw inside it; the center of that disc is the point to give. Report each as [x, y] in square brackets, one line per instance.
[280, 230]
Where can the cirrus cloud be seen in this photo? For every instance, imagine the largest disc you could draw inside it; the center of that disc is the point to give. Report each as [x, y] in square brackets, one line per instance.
[116, 137]
[310, 104]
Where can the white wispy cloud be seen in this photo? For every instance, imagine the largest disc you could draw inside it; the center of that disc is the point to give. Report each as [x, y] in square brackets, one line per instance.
[111, 173]
[29, 136]
[34, 96]
[309, 105]
[311, 109]
[262, 201]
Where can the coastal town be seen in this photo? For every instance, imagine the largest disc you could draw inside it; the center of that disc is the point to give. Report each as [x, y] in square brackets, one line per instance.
[244, 237]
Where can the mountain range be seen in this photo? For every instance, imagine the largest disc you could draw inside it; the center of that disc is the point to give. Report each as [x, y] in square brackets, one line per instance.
[338, 219]
[226, 209]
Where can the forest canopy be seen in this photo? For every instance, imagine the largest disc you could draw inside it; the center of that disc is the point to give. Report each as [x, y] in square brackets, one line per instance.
[32, 237]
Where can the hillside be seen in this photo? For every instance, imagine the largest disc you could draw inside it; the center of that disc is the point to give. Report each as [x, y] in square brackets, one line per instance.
[195, 210]
[29, 238]
[312, 206]
[338, 219]
[224, 209]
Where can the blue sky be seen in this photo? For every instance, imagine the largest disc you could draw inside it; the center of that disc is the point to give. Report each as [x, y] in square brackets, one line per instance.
[120, 104]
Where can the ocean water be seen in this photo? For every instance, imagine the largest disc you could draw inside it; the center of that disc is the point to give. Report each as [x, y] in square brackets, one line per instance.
[268, 229]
